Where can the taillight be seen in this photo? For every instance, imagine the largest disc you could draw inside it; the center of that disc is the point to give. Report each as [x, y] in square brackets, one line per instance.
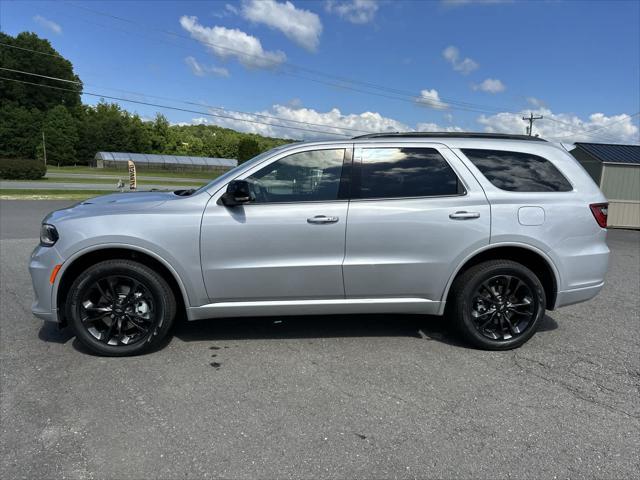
[600, 212]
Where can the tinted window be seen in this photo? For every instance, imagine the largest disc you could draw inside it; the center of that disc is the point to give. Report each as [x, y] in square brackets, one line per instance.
[405, 172]
[518, 172]
[301, 177]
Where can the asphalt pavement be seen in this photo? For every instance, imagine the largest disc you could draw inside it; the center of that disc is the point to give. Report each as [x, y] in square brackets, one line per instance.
[377, 396]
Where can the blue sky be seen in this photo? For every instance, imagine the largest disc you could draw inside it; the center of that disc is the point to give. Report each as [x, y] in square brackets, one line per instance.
[456, 64]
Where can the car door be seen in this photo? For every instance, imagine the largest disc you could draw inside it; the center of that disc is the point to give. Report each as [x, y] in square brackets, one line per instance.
[415, 214]
[288, 242]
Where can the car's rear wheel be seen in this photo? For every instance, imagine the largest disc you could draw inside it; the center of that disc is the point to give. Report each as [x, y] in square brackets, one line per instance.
[120, 307]
[498, 304]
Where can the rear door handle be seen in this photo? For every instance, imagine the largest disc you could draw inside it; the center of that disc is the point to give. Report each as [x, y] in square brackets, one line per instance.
[318, 219]
[464, 215]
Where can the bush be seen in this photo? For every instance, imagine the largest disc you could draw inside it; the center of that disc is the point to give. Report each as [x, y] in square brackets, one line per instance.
[21, 169]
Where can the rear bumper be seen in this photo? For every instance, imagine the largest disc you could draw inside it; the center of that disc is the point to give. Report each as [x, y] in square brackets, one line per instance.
[577, 295]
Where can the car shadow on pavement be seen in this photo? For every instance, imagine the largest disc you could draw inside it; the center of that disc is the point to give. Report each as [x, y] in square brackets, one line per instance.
[429, 328]
[51, 333]
[433, 328]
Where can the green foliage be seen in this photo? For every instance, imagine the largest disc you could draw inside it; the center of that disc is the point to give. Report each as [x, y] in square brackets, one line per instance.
[247, 149]
[20, 131]
[75, 132]
[21, 169]
[61, 134]
[53, 65]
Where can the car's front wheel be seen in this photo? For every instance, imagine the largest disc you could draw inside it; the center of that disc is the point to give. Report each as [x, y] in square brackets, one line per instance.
[498, 304]
[120, 307]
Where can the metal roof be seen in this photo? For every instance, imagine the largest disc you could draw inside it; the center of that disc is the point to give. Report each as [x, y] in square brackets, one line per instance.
[611, 153]
[147, 158]
[503, 136]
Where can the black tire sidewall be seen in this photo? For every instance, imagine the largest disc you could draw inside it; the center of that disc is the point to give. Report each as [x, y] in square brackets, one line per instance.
[157, 287]
[483, 272]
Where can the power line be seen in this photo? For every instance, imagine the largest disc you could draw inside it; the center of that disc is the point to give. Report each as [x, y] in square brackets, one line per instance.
[578, 132]
[259, 115]
[209, 114]
[590, 132]
[587, 132]
[42, 76]
[398, 94]
[30, 50]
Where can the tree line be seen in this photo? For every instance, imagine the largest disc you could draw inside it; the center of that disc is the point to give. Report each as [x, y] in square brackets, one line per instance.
[74, 132]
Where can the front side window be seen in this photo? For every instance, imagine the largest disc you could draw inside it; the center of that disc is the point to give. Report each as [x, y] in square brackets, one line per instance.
[517, 171]
[405, 172]
[301, 177]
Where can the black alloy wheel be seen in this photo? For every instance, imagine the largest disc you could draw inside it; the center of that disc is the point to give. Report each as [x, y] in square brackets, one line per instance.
[118, 310]
[497, 304]
[502, 307]
[120, 307]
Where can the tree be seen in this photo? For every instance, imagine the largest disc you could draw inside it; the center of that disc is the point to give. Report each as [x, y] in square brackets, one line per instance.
[52, 65]
[247, 148]
[61, 136]
[20, 131]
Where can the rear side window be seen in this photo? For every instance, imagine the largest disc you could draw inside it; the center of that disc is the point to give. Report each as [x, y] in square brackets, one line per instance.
[404, 172]
[517, 171]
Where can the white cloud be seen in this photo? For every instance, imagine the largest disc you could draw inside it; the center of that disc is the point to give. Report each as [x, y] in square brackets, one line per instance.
[561, 127]
[465, 66]
[491, 85]
[229, 10]
[431, 98]
[355, 11]
[434, 127]
[48, 24]
[301, 26]
[227, 43]
[536, 102]
[566, 127]
[334, 122]
[201, 70]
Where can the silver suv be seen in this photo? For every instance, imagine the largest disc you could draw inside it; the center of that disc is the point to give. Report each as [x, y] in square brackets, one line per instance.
[491, 230]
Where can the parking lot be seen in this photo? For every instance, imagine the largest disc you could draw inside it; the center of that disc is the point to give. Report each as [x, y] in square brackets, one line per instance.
[333, 397]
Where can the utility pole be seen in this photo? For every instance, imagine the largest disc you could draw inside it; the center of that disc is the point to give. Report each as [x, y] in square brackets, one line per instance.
[44, 149]
[531, 118]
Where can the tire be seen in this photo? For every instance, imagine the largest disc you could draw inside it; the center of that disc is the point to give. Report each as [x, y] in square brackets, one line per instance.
[497, 305]
[120, 308]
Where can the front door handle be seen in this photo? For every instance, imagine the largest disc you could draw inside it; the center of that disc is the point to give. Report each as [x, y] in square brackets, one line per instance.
[318, 219]
[464, 215]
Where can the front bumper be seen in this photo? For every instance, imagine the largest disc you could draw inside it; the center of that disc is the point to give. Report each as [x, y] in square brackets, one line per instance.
[43, 261]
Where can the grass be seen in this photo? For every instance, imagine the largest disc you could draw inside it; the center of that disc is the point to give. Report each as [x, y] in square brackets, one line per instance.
[123, 172]
[18, 194]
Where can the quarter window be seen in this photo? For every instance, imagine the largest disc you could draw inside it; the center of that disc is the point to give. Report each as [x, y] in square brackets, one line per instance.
[301, 177]
[517, 171]
[405, 172]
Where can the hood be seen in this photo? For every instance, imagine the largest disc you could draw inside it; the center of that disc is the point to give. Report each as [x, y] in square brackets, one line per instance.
[130, 199]
[113, 203]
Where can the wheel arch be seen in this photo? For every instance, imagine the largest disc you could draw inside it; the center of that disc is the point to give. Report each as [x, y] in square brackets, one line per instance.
[534, 259]
[85, 258]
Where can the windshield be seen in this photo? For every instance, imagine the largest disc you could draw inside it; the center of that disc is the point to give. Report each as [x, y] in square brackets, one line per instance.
[235, 171]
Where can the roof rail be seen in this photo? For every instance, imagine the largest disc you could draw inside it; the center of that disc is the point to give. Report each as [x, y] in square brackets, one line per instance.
[503, 136]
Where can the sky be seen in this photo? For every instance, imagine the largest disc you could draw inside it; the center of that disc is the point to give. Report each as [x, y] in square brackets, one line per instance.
[321, 69]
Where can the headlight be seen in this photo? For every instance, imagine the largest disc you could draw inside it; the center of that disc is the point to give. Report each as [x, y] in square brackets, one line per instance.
[48, 235]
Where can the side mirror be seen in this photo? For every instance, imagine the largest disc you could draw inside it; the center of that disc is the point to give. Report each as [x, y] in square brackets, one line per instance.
[238, 193]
